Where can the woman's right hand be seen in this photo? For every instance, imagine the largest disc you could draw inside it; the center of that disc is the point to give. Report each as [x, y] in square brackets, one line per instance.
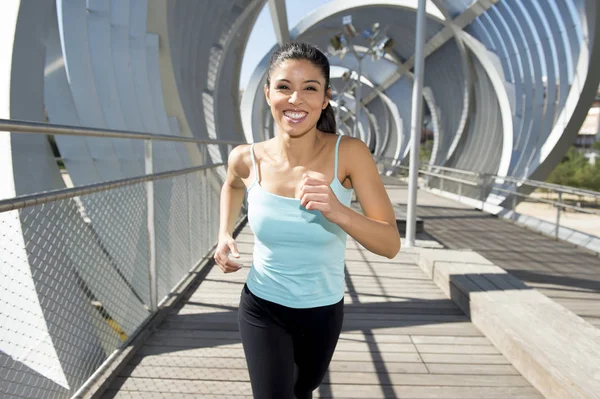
[226, 246]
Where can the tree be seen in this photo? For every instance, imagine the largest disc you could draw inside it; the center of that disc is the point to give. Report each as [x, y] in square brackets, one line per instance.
[575, 171]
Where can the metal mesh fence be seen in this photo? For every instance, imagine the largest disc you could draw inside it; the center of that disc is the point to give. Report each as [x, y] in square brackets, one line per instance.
[74, 276]
[473, 189]
[464, 185]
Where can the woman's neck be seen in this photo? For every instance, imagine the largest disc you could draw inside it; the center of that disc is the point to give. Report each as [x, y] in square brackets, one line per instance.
[297, 150]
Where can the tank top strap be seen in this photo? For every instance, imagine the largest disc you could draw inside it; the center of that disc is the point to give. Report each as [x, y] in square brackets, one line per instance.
[254, 162]
[337, 147]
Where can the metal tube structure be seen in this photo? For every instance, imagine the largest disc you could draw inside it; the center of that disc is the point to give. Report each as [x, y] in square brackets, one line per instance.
[152, 277]
[357, 97]
[28, 127]
[416, 127]
[558, 209]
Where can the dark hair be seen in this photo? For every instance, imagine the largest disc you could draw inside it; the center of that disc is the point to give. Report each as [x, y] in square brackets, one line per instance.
[308, 52]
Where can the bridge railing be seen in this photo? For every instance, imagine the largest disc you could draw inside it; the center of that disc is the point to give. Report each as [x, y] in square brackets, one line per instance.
[75, 290]
[508, 191]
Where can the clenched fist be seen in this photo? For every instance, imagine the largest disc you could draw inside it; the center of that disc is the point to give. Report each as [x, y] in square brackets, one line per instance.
[316, 194]
[226, 246]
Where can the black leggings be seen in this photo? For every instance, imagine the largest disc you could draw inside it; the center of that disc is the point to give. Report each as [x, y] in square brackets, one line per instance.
[287, 350]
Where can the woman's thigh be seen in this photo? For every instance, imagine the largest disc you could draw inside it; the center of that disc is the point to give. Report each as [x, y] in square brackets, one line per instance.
[269, 350]
[315, 345]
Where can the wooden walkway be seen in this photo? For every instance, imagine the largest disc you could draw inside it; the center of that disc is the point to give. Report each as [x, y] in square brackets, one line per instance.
[568, 275]
[401, 339]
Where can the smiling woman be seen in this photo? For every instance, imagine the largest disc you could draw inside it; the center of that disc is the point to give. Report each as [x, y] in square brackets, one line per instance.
[299, 75]
[299, 187]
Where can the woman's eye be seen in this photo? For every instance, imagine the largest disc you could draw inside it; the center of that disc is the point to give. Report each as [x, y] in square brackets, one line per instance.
[311, 88]
[282, 87]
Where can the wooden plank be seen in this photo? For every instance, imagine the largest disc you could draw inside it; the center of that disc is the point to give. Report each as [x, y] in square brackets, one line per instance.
[370, 337]
[458, 349]
[226, 352]
[335, 390]
[450, 340]
[463, 359]
[240, 363]
[427, 392]
[113, 394]
[474, 369]
[229, 322]
[333, 377]
[343, 345]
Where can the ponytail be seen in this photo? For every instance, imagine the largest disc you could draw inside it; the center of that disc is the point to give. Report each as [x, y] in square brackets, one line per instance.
[326, 122]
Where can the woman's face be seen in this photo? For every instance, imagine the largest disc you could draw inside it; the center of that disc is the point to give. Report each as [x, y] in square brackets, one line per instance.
[297, 95]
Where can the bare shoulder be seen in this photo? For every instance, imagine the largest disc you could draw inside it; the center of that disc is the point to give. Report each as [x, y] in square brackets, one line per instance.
[354, 149]
[355, 161]
[240, 161]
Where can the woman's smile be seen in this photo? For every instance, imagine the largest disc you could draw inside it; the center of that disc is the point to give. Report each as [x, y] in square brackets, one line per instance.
[295, 116]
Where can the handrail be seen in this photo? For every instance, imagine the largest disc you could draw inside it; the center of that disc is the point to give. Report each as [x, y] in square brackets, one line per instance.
[550, 202]
[555, 187]
[509, 189]
[451, 178]
[514, 180]
[461, 171]
[453, 170]
[16, 126]
[25, 201]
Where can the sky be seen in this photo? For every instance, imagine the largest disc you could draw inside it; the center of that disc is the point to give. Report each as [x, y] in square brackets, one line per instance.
[262, 38]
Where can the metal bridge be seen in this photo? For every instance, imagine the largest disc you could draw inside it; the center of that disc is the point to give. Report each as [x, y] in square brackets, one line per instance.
[116, 121]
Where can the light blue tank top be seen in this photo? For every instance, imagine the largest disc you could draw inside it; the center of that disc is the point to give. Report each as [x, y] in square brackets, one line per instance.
[298, 254]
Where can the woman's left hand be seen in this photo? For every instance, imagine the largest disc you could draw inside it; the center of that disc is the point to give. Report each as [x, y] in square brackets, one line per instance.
[316, 194]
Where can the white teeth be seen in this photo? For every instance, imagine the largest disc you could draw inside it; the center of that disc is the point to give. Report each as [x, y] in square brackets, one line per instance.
[295, 115]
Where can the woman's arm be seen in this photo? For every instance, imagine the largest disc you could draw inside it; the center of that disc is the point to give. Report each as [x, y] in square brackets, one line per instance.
[232, 196]
[376, 230]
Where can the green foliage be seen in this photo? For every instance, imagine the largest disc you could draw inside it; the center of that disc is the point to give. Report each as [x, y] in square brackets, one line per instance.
[575, 171]
[425, 151]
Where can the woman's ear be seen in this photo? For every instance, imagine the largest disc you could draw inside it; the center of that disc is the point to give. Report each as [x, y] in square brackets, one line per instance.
[267, 94]
[328, 94]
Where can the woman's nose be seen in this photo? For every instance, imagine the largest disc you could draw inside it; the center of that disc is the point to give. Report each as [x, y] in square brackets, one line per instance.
[294, 98]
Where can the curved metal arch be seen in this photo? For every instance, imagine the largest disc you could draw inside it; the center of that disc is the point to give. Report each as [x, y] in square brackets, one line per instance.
[252, 105]
[395, 118]
[491, 30]
[437, 131]
[389, 108]
[584, 71]
[524, 55]
[364, 136]
[247, 18]
[468, 84]
[496, 19]
[538, 64]
[334, 7]
[552, 72]
[485, 58]
[385, 124]
[573, 30]
[253, 102]
[396, 94]
[583, 90]
[477, 30]
[356, 119]
[375, 136]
